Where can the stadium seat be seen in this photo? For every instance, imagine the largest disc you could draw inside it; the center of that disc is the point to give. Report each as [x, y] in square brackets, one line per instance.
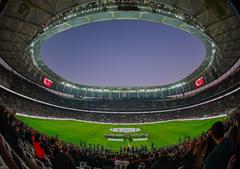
[19, 161]
[87, 167]
[6, 154]
[82, 164]
[30, 160]
[20, 142]
[2, 164]
[121, 164]
[48, 162]
[7, 147]
[141, 166]
[29, 147]
[26, 146]
[40, 164]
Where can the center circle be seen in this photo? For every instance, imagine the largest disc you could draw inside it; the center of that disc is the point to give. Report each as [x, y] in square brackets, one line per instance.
[125, 130]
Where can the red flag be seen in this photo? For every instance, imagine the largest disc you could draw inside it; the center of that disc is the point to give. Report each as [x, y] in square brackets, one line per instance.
[47, 82]
[200, 82]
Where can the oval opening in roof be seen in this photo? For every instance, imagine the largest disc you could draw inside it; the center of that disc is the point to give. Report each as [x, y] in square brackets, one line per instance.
[126, 53]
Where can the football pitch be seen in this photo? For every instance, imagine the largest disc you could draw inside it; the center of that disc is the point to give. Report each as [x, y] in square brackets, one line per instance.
[161, 134]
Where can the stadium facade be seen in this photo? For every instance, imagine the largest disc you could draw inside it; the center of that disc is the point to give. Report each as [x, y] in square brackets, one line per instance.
[26, 79]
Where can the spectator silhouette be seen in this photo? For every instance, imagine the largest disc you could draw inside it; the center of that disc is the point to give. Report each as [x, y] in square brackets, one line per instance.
[221, 154]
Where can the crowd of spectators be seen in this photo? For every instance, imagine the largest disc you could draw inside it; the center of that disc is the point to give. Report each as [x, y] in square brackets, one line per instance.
[191, 153]
[217, 148]
[25, 106]
[27, 88]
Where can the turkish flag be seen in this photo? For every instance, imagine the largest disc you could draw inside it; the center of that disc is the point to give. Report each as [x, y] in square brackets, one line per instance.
[47, 82]
[200, 82]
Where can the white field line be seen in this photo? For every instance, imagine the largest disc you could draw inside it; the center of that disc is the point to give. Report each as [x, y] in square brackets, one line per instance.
[155, 122]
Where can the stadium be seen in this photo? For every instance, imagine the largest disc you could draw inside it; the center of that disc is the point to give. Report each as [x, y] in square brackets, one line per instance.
[48, 121]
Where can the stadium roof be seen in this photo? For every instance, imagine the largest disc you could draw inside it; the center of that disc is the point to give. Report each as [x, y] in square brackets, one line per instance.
[24, 21]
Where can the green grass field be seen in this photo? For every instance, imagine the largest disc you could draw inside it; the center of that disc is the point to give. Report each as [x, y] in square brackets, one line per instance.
[161, 134]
